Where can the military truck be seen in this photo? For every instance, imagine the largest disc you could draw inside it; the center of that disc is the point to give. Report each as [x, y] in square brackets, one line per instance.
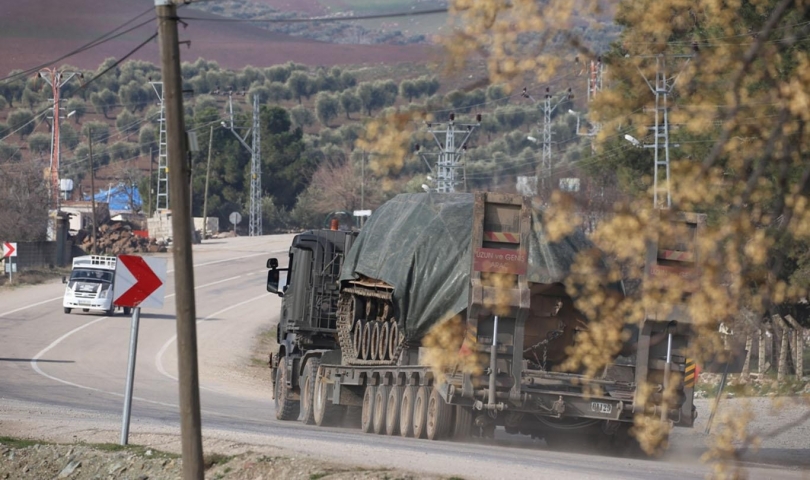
[356, 309]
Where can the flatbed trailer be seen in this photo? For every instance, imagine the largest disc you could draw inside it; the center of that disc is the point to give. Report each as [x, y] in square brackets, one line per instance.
[509, 326]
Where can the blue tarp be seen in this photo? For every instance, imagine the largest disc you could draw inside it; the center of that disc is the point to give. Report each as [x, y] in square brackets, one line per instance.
[121, 198]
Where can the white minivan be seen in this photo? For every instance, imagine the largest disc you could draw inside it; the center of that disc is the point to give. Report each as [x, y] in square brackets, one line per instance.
[90, 286]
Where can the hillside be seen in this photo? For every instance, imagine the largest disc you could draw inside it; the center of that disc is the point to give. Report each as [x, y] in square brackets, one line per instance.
[32, 34]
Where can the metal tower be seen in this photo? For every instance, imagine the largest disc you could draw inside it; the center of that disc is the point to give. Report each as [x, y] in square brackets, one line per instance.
[662, 88]
[255, 225]
[450, 171]
[548, 107]
[163, 159]
[56, 79]
[255, 207]
[595, 77]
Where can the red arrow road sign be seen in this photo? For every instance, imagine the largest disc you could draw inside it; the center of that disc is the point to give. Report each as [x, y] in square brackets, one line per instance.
[9, 249]
[136, 280]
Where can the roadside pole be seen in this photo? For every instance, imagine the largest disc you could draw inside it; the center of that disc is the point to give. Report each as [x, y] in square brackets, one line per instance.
[207, 174]
[139, 282]
[190, 423]
[92, 185]
[133, 347]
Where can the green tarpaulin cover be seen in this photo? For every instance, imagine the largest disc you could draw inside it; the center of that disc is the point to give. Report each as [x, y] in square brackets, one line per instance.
[420, 244]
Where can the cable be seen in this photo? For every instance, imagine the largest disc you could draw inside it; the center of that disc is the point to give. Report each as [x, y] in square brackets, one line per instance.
[26, 124]
[119, 62]
[98, 41]
[320, 19]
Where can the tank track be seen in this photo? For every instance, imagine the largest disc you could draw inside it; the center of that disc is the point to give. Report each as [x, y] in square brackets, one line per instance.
[348, 321]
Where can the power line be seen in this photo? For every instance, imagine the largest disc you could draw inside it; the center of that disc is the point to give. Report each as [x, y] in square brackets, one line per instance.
[320, 19]
[27, 123]
[119, 61]
[98, 41]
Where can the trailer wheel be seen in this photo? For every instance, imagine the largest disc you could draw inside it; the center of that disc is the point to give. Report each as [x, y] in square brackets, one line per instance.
[323, 409]
[406, 411]
[286, 408]
[380, 407]
[127, 310]
[367, 417]
[439, 415]
[308, 391]
[392, 411]
[462, 426]
[67, 310]
[420, 404]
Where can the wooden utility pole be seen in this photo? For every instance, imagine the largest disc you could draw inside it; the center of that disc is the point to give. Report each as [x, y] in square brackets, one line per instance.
[207, 174]
[92, 185]
[190, 423]
[151, 162]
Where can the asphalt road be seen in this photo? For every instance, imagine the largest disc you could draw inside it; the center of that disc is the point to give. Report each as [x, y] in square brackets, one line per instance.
[79, 362]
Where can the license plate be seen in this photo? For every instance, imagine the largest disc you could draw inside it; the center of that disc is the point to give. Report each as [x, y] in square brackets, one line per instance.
[84, 302]
[600, 407]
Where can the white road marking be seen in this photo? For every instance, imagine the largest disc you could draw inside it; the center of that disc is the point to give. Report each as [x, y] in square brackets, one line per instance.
[32, 306]
[159, 356]
[83, 387]
[169, 271]
[59, 340]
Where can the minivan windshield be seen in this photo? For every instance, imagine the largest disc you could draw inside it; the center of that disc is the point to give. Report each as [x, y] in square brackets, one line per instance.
[87, 275]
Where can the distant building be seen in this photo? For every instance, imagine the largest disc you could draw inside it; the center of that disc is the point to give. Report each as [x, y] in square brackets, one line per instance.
[527, 185]
[81, 214]
[569, 184]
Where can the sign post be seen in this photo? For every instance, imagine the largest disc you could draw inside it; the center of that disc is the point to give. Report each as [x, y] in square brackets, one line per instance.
[235, 218]
[139, 282]
[9, 252]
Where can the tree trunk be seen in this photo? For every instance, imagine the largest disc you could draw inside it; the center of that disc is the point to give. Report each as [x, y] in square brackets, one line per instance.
[746, 370]
[762, 362]
[783, 348]
[798, 345]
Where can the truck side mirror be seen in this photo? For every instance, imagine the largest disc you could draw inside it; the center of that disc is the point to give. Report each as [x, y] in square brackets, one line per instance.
[272, 263]
[276, 277]
[64, 279]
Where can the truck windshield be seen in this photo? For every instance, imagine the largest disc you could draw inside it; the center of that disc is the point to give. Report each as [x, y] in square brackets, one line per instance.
[87, 275]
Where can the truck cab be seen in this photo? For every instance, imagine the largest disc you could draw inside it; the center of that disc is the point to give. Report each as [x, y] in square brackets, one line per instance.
[90, 285]
[309, 287]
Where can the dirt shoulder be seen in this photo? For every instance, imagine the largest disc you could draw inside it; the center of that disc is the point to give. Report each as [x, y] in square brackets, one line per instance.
[33, 276]
[39, 441]
[25, 459]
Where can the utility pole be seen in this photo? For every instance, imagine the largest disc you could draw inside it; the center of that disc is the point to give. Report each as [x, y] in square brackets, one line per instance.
[56, 79]
[595, 82]
[255, 207]
[449, 159]
[207, 175]
[548, 106]
[190, 423]
[163, 165]
[661, 89]
[92, 184]
[151, 165]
